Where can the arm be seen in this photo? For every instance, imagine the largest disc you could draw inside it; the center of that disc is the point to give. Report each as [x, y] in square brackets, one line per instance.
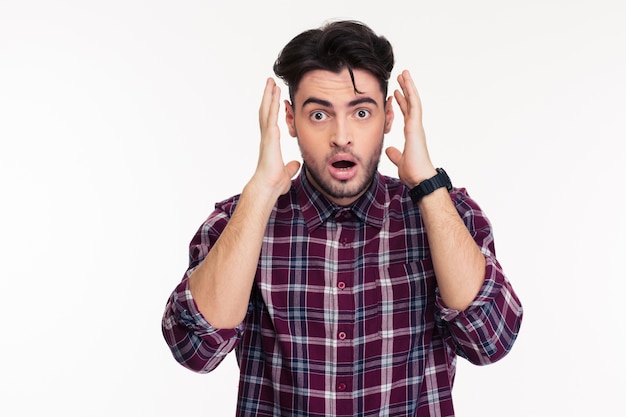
[221, 284]
[485, 331]
[457, 260]
[203, 317]
[474, 294]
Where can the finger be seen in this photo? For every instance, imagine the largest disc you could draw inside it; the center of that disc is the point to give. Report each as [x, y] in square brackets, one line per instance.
[267, 93]
[268, 113]
[265, 111]
[410, 91]
[401, 100]
[394, 155]
[274, 106]
[406, 83]
[292, 168]
[405, 97]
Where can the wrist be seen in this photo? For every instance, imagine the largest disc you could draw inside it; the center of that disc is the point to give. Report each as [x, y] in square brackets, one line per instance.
[421, 177]
[439, 180]
[260, 193]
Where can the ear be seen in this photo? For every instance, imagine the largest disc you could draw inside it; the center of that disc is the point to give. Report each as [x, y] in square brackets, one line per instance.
[388, 114]
[290, 118]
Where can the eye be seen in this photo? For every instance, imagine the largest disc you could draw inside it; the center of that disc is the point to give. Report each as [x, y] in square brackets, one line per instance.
[318, 116]
[362, 114]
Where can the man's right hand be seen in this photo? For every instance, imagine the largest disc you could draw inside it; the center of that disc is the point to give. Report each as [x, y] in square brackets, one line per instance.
[221, 284]
[271, 172]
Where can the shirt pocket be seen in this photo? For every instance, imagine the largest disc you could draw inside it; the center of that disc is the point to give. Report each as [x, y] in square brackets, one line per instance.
[406, 303]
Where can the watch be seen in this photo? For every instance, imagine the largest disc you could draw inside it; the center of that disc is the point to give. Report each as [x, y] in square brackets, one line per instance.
[428, 186]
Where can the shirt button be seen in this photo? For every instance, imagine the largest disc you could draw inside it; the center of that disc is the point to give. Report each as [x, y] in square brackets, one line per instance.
[342, 335]
[341, 285]
[341, 386]
[344, 241]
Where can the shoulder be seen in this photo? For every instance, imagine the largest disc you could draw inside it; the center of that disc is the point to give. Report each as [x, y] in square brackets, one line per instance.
[393, 186]
[285, 203]
[463, 202]
[398, 201]
[228, 205]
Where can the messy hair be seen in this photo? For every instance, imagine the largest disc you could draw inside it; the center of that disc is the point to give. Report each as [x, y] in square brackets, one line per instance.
[333, 47]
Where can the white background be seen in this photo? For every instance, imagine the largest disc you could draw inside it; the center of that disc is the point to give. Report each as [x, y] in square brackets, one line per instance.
[123, 122]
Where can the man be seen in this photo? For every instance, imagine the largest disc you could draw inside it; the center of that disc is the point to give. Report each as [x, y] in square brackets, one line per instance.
[343, 292]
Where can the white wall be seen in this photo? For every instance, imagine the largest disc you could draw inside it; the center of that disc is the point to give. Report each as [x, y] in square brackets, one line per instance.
[123, 122]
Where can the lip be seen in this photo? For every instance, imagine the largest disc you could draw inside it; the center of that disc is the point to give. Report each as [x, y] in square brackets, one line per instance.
[343, 174]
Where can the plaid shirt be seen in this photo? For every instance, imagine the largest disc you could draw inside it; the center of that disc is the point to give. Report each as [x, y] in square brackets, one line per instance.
[345, 318]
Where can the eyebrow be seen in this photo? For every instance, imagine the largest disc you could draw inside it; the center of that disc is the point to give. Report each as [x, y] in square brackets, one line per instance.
[326, 103]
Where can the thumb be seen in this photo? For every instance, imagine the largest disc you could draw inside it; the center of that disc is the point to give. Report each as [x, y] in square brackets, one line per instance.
[394, 155]
[292, 168]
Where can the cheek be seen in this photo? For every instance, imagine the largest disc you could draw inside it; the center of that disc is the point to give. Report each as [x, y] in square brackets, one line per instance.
[312, 152]
[307, 149]
[309, 137]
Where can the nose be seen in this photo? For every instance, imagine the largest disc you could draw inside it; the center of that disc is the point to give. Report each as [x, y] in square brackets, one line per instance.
[341, 135]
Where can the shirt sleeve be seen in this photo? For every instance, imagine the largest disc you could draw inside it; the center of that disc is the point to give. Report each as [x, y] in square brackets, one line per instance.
[194, 343]
[486, 331]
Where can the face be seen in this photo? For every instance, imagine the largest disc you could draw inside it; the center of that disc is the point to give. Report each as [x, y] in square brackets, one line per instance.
[340, 132]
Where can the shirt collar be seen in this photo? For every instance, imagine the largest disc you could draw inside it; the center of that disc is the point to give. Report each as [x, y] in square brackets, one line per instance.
[316, 208]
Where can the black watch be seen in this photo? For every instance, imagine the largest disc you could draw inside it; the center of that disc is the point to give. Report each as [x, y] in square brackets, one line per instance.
[428, 186]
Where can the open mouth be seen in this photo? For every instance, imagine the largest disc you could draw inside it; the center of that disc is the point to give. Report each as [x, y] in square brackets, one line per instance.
[343, 164]
[343, 167]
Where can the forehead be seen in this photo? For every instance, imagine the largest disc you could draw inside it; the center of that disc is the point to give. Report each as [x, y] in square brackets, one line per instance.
[338, 87]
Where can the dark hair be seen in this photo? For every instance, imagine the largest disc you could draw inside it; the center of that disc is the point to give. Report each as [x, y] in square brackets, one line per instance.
[333, 47]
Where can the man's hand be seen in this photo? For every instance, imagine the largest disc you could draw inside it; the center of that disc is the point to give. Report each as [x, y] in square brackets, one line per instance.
[458, 262]
[221, 284]
[414, 165]
[271, 172]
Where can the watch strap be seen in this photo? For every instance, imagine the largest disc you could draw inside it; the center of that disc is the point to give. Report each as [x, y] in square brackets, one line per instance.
[428, 186]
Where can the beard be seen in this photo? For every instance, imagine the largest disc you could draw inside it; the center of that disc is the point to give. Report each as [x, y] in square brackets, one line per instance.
[337, 189]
